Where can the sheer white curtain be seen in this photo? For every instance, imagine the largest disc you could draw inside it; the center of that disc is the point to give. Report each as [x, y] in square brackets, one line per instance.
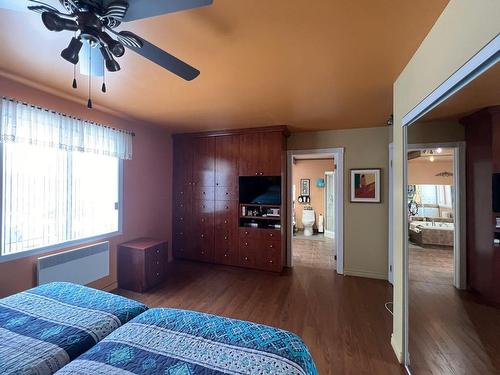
[60, 178]
[21, 123]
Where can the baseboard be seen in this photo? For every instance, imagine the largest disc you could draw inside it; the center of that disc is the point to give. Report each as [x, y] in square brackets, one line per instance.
[398, 351]
[367, 274]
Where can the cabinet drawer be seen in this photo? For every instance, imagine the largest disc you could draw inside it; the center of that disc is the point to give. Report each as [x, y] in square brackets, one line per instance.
[270, 234]
[270, 245]
[270, 260]
[226, 255]
[247, 258]
[249, 243]
[204, 193]
[226, 193]
[182, 208]
[249, 233]
[203, 206]
[182, 193]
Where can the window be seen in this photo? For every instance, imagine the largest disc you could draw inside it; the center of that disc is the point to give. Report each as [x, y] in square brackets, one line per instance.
[51, 196]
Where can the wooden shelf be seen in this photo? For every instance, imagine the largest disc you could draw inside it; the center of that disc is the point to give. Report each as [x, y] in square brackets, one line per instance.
[260, 205]
[261, 217]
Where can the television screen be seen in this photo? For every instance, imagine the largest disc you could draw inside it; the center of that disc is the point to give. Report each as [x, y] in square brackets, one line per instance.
[496, 192]
[260, 190]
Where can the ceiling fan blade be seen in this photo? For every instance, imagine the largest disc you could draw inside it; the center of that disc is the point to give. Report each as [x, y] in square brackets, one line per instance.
[157, 55]
[139, 9]
[22, 5]
[18, 5]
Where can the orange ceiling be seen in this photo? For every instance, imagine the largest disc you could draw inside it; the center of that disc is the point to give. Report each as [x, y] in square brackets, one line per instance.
[322, 64]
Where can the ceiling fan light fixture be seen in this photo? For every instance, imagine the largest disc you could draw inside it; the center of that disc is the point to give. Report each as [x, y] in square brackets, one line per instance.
[71, 52]
[114, 46]
[111, 64]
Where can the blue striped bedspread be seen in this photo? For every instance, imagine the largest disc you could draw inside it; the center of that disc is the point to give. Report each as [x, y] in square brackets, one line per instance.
[180, 342]
[44, 328]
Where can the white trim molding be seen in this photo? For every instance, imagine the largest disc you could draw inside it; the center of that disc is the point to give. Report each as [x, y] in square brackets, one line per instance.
[488, 56]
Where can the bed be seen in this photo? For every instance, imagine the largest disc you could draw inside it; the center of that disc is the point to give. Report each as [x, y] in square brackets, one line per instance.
[44, 328]
[180, 342]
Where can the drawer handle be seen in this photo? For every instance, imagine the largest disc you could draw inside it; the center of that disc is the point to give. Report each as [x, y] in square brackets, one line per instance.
[227, 207]
[271, 246]
[246, 243]
[227, 193]
[246, 258]
[204, 193]
[157, 251]
[246, 232]
[204, 206]
[182, 192]
[181, 219]
[270, 235]
[202, 220]
[256, 173]
[225, 221]
[157, 274]
[202, 252]
[225, 237]
[157, 262]
[271, 261]
[181, 205]
[225, 255]
[202, 236]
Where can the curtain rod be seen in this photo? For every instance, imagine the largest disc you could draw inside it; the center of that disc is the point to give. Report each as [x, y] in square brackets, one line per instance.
[65, 115]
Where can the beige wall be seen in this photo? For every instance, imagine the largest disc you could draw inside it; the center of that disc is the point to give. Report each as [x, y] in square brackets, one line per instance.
[460, 32]
[312, 170]
[365, 224]
[423, 172]
[436, 131]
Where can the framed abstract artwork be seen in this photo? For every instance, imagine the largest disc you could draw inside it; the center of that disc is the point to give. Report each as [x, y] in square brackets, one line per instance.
[365, 185]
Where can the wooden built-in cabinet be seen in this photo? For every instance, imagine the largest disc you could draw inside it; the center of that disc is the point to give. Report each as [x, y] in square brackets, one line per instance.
[482, 131]
[206, 210]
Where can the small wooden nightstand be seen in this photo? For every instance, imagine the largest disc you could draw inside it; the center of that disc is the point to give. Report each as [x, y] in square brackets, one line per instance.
[142, 264]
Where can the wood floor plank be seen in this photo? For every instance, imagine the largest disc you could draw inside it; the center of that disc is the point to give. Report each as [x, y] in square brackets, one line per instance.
[342, 319]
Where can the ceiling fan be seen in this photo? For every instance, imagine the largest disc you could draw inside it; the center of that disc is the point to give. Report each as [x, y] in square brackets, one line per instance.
[94, 24]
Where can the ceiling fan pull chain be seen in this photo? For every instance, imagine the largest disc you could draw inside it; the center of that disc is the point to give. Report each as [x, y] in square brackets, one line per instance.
[103, 88]
[89, 103]
[74, 73]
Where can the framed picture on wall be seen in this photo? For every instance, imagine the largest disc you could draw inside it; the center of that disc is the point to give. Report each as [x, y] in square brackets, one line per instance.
[365, 185]
[305, 187]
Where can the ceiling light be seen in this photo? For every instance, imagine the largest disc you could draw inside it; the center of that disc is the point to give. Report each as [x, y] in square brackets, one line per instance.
[431, 159]
[70, 53]
[439, 150]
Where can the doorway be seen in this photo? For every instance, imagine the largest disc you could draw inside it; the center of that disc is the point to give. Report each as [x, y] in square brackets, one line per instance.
[315, 208]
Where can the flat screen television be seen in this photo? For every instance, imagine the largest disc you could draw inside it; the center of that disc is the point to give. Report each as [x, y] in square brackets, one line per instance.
[260, 190]
[496, 192]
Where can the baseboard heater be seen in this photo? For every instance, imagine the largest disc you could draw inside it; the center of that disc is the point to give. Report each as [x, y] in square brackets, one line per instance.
[79, 266]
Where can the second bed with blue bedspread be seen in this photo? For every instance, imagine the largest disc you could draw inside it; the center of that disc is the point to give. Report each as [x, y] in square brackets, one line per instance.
[180, 342]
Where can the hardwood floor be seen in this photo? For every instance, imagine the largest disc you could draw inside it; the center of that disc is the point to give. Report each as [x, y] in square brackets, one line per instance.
[451, 331]
[342, 319]
[315, 251]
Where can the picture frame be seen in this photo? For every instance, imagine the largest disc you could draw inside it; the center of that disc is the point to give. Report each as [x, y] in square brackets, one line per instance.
[305, 187]
[365, 185]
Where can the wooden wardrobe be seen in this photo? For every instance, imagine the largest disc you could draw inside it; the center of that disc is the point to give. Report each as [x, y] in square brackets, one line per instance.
[207, 217]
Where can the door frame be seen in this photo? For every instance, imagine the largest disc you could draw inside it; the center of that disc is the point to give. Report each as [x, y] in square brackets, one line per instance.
[390, 242]
[459, 207]
[338, 155]
[325, 210]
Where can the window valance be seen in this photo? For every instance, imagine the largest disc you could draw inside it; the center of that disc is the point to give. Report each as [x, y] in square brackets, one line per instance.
[24, 123]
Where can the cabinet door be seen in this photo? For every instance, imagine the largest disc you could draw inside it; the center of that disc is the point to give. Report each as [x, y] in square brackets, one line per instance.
[261, 153]
[203, 226]
[226, 232]
[227, 152]
[204, 161]
[183, 162]
[249, 154]
[271, 150]
[182, 222]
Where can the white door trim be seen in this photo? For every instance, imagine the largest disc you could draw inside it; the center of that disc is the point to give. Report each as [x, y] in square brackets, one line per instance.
[338, 155]
[459, 206]
[390, 257]
[329, 233]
